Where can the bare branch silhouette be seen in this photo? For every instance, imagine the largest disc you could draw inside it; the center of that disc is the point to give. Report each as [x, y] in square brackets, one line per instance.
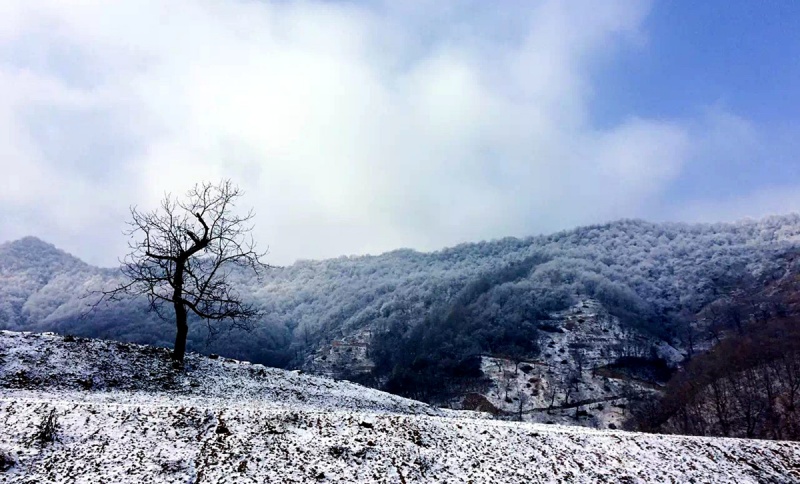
[183, 255]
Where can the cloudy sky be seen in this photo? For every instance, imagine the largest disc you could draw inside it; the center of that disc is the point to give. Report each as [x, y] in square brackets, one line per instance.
[359, 127]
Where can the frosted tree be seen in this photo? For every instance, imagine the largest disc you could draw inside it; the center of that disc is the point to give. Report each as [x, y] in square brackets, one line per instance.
[184, 254]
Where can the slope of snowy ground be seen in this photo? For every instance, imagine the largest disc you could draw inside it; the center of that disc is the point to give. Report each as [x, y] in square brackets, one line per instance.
[122, 415]
[106, 369]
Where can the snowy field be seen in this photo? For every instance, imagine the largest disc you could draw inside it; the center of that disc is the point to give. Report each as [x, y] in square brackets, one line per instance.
[121, 414]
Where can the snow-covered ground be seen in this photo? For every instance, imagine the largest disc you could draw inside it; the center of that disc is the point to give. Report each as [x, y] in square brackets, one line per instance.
[110, 371]
[123, 415]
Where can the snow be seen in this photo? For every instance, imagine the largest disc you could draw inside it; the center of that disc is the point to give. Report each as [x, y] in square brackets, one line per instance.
[220, 420]
[553, 386]
[121, 370]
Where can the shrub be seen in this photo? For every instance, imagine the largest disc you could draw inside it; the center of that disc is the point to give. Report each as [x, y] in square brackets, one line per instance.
[7, 460]
[47, 431]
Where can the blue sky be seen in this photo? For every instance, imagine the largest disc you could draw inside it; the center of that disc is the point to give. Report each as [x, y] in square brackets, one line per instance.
[741, 54]
[360, 127]
[742, 57]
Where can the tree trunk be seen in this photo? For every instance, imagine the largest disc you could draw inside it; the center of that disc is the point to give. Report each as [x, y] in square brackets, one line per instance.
[180, 312]
[182, 332]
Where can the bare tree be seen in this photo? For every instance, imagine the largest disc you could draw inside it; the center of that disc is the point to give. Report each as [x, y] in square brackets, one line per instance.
[184, 254]
[522, 400]
[687, 322]
[553, 387]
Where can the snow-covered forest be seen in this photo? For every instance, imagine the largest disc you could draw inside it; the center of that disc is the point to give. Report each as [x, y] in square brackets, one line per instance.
[644, 272]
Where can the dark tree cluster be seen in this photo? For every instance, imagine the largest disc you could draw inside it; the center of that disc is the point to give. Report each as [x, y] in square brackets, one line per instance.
[441, 357]
[748, 385]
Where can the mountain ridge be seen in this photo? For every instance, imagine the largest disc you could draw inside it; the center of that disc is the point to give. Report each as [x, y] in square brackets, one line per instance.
[30, 252]
[793, 217]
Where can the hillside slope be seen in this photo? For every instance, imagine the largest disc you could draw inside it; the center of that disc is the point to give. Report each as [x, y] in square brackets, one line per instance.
[112, 371]
[123, 415]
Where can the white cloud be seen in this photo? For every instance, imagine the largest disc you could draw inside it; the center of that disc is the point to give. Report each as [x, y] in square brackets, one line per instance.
[754, 205]
[352, 128]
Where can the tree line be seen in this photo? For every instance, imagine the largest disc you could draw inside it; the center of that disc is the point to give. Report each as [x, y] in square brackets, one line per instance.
[746, 385]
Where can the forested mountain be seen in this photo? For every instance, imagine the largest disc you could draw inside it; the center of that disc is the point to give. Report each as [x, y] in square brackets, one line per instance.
[433, 314]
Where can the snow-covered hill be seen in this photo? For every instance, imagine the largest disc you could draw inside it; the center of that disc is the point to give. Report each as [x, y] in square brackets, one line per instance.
[121, 413]
[575, 380]
[111, 371]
